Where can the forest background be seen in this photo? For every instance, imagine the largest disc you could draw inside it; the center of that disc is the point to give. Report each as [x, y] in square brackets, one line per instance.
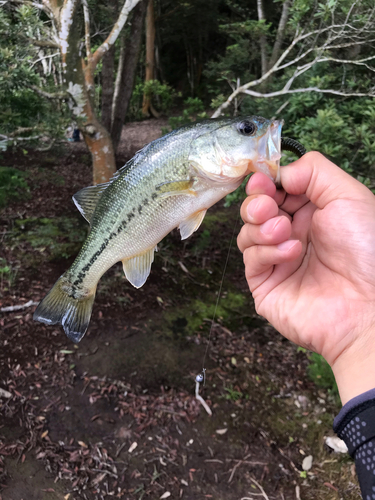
[95, 66]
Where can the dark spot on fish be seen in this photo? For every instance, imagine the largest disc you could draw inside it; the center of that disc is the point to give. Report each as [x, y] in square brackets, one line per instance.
[83, 273]
[154, 195]
[145, 202]
[130, 216]
[140, 208]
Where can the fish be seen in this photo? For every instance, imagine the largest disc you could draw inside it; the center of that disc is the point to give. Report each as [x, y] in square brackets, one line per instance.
[168, 184]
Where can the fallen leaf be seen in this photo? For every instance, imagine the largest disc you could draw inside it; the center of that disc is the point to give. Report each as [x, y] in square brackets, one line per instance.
[81, 443]
[132, 447]
[165, 495]
[5, 394]
[307, 462]
[336, 444]
[221, 431]
[99, 478]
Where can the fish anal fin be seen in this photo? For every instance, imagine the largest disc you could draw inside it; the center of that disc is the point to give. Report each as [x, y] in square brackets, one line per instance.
[176, 188]
[87, 198]
[137, 269]
[191, 224]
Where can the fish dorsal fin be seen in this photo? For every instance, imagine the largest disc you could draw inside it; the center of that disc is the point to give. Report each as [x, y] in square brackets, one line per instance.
[87, 198]
[191, 224]
[138, 268]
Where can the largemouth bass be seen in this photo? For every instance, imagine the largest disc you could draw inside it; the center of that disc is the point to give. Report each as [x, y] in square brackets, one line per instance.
[170, 183]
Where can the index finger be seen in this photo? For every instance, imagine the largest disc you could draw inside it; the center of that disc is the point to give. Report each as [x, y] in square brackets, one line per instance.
[321, 180]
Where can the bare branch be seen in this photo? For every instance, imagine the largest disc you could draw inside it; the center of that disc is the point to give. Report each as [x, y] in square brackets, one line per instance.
[86, 15]
[112, 37]
[43, 58]
[309, 89]
[338, 36]
[49, 44]
[50, 95]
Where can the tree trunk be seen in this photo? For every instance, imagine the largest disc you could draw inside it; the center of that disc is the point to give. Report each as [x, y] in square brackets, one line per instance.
[107, 87]
[280, 33]
[78, 76]
[129, 65]
[80, 85]
[107, 73]
[150, 54]
[262, 39]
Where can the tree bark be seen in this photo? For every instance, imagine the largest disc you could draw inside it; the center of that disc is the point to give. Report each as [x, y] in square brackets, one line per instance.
[262, 39]
[131, 50]
[78, 77]
[280, 33]
[107, 73]
[107, 87]
[150, 54]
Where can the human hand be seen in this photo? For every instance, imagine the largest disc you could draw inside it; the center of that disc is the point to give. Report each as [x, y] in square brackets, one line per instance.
[309, 254]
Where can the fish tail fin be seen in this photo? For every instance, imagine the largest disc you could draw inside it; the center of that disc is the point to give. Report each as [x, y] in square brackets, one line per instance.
[58, 307]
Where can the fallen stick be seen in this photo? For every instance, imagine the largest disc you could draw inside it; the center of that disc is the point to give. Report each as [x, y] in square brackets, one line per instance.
[18, 307]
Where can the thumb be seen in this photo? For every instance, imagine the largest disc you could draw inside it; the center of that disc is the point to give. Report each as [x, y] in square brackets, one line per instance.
[320, 180]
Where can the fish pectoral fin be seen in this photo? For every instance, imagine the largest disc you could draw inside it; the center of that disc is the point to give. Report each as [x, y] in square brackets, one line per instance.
[176, 188]
[87, 198]
[138, 268]
[191, 224]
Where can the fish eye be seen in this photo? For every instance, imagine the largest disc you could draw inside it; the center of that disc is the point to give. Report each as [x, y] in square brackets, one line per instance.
[246, 128]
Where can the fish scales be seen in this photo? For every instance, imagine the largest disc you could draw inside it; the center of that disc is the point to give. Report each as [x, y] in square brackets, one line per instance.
[170, 183]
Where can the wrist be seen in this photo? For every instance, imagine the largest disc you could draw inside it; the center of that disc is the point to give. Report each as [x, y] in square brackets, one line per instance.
[354, 371]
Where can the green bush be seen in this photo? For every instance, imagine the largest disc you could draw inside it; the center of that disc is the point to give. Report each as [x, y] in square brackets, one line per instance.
[12, 185]
[163, 98]
[194, 110]
[321, 374]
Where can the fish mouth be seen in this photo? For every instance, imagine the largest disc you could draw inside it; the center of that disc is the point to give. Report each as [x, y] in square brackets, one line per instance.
[269, 152]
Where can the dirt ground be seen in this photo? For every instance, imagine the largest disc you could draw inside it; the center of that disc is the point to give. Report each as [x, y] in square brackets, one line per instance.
[116, 416]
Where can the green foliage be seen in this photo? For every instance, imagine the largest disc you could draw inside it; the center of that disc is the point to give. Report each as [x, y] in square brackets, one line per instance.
[7, 275]
[13, 185]
[232, 394]
[163, 98]
[321, 374]
[59, 238]
[188, 321]
[194, 110]
[23, 112]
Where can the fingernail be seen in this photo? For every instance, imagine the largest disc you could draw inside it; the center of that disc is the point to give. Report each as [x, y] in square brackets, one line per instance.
[269, 226]
[251, 207]
[287, 245]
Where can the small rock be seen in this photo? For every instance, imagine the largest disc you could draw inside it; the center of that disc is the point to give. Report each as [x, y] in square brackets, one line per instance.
[307, 462]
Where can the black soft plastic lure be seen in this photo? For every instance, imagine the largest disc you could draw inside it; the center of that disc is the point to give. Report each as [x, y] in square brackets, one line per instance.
[293, 146]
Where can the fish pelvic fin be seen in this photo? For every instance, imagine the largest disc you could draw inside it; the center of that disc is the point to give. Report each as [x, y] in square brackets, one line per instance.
[58, 307]
[138, 267]
[191, 224]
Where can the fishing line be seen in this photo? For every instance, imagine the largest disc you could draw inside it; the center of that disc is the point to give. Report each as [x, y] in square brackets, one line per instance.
[201, 377]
